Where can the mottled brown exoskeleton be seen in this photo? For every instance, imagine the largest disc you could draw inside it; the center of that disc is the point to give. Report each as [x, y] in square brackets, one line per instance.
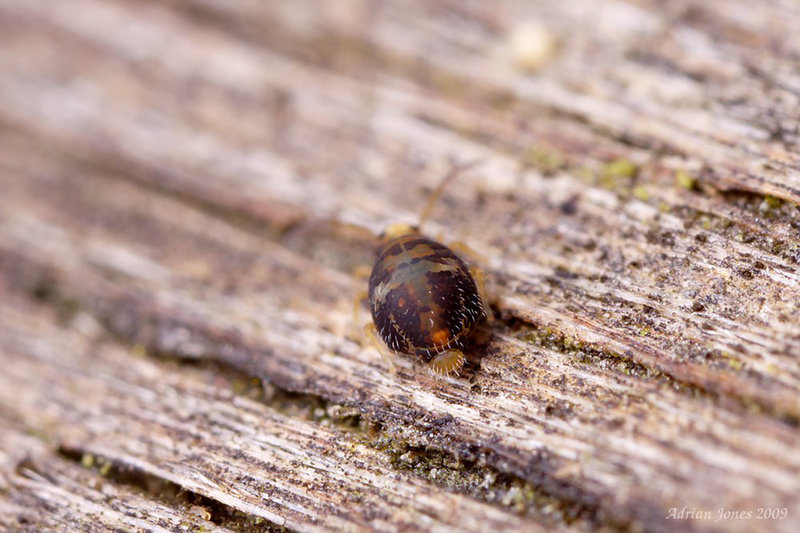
[425, 301]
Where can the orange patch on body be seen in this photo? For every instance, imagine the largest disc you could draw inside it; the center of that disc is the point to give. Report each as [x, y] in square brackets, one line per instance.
[440, 336]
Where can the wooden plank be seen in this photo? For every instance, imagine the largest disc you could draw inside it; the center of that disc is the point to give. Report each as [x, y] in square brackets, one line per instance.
[43, 492]
[200, 196]
[532, 408]
[674, 339]
[206, 440]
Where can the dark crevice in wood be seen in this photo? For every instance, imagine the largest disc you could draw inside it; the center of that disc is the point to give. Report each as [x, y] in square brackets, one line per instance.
[535, 477]
[300, 242]
[465, 467]
[473, 477]
[162, 490]
[590, 354]
[46, 285]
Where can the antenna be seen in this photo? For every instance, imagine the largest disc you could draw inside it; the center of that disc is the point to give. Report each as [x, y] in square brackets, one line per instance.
[455, 169]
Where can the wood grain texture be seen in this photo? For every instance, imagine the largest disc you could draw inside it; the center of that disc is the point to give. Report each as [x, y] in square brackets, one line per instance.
[238, 452]
[44, 492]
[200, 180]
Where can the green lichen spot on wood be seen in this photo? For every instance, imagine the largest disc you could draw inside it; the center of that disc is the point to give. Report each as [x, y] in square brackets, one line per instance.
[641, 192]
[543, 159]
[87, 461]
[684, 180]
[618, 173]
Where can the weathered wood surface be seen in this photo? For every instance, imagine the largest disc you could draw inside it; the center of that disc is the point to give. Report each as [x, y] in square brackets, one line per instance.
[183, 182]
[44, 492]
[232, 449]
